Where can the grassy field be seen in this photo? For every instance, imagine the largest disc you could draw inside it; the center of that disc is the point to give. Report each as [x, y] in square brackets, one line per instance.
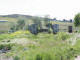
[22, 45]
[25, 46]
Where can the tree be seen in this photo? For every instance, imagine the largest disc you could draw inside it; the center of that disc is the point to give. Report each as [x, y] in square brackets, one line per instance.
[12, 27]
[77, 20]
[46, 19]
[20, 24]
[37, 20]
[47, 22]
[71, 20]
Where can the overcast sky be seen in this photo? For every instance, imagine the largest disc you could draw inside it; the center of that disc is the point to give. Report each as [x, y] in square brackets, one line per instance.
[55, 8]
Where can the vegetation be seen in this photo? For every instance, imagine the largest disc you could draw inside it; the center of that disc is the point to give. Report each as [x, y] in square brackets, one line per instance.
[77, 20]
[40, 47]
[23, 45]
[20, 25]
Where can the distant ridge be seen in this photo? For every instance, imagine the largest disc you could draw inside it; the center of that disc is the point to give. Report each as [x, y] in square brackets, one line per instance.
[17, 16]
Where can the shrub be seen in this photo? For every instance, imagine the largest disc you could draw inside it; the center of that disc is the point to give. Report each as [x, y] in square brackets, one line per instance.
[19, 33]
[7, 46]
[63, 36]
[38, 57]
[1, 46]
[16, 58]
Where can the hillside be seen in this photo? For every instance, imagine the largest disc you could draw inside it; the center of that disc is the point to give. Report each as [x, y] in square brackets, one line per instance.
[28, 17]
[17, 16]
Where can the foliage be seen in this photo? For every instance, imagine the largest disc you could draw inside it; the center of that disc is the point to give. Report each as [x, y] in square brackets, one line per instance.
[20, 24]
[63, 36]
[46, 19]
[19, 33]
[8, 46]
[37, 20]
[42, 47]
[16, 58]
[77, 20]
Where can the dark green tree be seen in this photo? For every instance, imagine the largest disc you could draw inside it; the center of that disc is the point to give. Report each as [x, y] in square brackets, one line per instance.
[47, 22]
[12, 27]
[20, 24]
[37, 20]
[46, 19]
[77, 20]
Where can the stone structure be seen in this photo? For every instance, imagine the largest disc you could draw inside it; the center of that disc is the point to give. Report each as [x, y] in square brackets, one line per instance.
[33, 28]
[55, 28]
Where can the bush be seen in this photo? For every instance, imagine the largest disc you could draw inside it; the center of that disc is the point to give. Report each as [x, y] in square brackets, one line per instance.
[16, 58]
[38, 57]
[19, 33]
[1, 47]
[6, 46]
[63, 36]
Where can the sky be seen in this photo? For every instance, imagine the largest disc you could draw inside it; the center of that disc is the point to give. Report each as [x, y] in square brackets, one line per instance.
[60, 9]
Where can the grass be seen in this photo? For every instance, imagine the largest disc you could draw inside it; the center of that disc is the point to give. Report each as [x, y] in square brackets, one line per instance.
[41, 46]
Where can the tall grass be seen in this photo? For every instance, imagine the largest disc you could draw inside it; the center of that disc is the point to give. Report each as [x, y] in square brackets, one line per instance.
[47, 47]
